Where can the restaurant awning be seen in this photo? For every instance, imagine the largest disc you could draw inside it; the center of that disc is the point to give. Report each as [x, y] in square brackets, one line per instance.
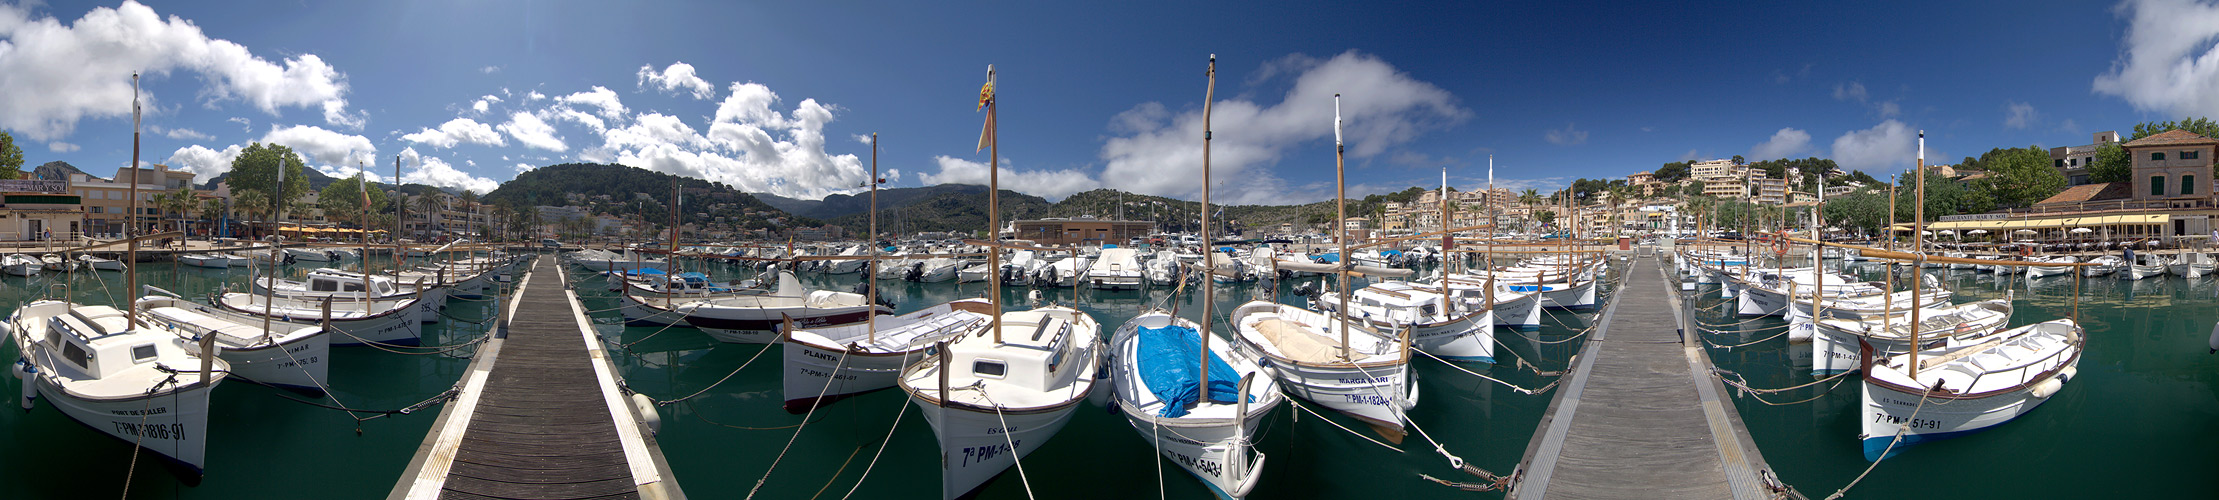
[2045, 223]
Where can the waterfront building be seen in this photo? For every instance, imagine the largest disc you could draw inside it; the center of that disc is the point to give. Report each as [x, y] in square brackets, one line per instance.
[2073, 161]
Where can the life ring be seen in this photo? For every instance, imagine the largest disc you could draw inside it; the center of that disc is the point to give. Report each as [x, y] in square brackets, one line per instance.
[2026, 251]
[1780, 245]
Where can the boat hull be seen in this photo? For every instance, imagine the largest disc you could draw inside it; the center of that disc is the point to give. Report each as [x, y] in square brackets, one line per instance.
[173, 424]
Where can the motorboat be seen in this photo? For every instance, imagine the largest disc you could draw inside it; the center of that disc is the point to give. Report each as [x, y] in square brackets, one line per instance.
[992, 400]
[1435, 325]
[757, 319]
[287, 355]
[205, 260]
[1207, 427]
[99, 263]
[21, 264]
[1115, 269]
[146, 386]
[1964, 387]
[831, 363]
[1353, 369]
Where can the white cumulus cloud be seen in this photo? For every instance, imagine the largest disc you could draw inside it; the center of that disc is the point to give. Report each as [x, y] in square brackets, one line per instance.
[532, 131]
[186, 134]
[204, 163]
[600, 97]
[436, 172]
[748, 144]
[1786, 143]
[58, 74]
[1889, 144]
[457, 131]
[1158, 152]
[324, 148]
[60, 147]
[678, 76]
[2170, 60]
[1051, 184]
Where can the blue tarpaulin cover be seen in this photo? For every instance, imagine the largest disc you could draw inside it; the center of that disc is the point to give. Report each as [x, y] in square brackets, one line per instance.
[1168, 366]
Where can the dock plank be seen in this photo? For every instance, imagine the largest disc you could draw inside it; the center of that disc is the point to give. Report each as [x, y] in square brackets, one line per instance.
[1631, 421]
[543, 430]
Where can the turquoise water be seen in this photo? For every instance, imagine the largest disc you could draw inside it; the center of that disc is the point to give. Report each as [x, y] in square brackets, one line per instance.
[2138, 412]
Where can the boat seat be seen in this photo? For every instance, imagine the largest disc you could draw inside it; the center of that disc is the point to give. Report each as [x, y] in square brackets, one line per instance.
[1297, 342]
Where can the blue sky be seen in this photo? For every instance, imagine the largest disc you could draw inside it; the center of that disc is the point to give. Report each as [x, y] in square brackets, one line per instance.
[773, 97]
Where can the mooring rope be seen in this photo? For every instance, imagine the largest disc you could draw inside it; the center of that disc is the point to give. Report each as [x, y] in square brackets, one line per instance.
[828, 380]
[882, 444]
[1551, 385]
[1899, 430]
[728, 376]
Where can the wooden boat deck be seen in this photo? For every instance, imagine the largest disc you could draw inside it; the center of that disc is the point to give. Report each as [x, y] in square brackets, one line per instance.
[539, 416]
[1641, 416]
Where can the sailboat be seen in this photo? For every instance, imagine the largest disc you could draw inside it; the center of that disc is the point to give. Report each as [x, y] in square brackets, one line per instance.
[1963, 386]
[104, 368]
[995, 395]
[1198, 401]
[1365, 373]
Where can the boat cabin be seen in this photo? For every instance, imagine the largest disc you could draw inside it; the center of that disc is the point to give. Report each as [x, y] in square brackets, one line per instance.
[1032, 354]
[93, 339]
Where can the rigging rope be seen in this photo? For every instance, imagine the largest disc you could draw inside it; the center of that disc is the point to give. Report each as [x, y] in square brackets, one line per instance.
[828, 380]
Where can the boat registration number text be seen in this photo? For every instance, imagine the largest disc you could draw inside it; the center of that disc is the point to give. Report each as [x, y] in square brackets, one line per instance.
[980, 454]
[1916, 423]
[151, 431]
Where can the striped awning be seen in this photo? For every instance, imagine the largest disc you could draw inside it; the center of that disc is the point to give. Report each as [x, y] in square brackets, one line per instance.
[2045, 223]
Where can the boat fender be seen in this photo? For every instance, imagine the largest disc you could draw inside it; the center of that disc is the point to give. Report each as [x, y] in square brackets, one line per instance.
[23, 371]
[648, 415]
[2068, 373]
[2048, 387]
[2214, 337]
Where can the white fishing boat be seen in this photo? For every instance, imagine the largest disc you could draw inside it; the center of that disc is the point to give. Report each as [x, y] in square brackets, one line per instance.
[2046, 271]
[1965, 387]
[2142, 265]
[2190, 265]
[974, 273]
[991, 401]
[1115, 269]
[98, 263]
[353, 322]
[936, 269]
[1435, 326]
[828, 364]
[1367, 377]
[603, 261]
[56, 263]
[287, 355]
[343, 285]
[2103, 265]
[205, 260]
[241, 260]
[1836, 343]
[1206, 427]
[756, 319]
[21, 265]
[305, 254]
[1572, 297]
[145, 386]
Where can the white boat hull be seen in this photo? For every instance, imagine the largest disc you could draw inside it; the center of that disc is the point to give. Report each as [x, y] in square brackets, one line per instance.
[173, 425]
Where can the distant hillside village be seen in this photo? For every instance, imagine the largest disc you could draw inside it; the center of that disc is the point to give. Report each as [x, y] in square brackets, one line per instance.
[2157, 183]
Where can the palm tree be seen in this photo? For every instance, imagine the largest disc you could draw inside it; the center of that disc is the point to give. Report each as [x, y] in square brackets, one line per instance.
[211, 210]
[469, 200]
[175, 203]
[431, 202]
[254, 203]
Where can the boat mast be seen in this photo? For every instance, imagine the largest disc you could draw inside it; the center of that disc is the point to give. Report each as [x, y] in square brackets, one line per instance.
[1447, 241]
[277, 197]
[670, 276]
[362, 181]
[1340, 219]
[1918, 223]
[1818, 252]
[871, 240]
[400, 209]
[131, 221]
[994, 208]
[1209, 300]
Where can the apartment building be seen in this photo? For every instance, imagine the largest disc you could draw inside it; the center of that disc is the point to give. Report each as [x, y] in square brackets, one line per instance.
[2073, 161]
[107, 203]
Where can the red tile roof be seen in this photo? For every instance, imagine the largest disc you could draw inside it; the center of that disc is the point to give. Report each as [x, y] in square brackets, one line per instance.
[2175, 137]
[2091, 192]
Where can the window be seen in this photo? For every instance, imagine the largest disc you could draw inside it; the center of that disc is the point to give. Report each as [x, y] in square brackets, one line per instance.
[2189, 155]
[2188, 184]
[2157, 156]
[2157, 185]
[76, 355]
[142, 353]
[989, 368]
[2060, 163]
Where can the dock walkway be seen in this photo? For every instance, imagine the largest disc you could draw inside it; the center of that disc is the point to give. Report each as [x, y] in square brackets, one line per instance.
[539, 415]
[1641, 417]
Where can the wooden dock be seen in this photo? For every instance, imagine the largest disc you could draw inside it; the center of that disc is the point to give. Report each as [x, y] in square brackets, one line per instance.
[539, 415]
[1641, 417]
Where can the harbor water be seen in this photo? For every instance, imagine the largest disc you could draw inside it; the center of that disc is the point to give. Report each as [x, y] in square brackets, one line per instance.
[2136, 412]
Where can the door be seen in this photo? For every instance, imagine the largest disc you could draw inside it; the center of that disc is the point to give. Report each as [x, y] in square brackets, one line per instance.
[38, 229]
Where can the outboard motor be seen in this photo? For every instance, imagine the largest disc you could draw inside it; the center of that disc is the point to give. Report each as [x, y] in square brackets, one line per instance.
[916, 272]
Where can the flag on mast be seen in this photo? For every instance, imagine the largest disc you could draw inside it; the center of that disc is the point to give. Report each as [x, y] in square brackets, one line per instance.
[365, 185]
[986, 98]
